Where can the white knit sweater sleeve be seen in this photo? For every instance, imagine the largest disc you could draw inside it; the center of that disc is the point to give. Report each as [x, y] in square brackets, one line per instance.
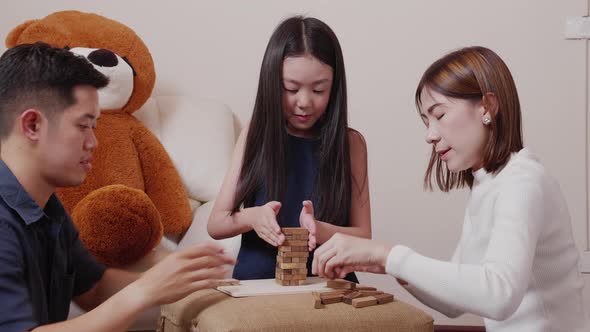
[495, 287]
[433, 302]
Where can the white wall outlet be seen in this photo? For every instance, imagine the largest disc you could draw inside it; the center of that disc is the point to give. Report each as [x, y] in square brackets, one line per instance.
[577, 27]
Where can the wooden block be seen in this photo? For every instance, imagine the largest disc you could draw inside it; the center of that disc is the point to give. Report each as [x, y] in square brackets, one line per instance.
[332, 299]
[336, 292]
[370, 292]
[290, 271]
[384, 298]
[290, 282]
[228, 282]
[340, 284]
[281, 259]
[291, 276]
[285, 266]
[352, 295]
[284, 282]
[293, 249]
[299, 271]
[295, 243]
[363, 287]
[287, 282]
[294, 230]
[293, 254]
[298, 259]
[317, 300]
[283, 276]
[361, 302]
[296, 236]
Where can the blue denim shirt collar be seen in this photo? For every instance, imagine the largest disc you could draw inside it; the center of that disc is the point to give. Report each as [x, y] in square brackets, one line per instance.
[17, 198]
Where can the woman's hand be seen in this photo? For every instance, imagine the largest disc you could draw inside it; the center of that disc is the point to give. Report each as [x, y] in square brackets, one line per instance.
[264, 222]
[307, 220]
[343, 254]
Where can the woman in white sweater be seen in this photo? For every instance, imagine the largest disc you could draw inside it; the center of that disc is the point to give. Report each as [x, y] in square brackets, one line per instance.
[516, 263]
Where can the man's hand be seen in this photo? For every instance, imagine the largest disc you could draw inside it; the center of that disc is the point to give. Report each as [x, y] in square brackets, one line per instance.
[182, 273]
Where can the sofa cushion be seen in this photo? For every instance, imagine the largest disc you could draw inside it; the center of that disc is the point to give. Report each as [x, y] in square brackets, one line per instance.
[199, 136]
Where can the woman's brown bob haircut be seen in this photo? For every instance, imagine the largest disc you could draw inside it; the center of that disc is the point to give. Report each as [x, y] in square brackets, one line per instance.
[470, 74]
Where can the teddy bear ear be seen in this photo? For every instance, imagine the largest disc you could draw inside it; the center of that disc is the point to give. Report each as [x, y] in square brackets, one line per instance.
[13, 35]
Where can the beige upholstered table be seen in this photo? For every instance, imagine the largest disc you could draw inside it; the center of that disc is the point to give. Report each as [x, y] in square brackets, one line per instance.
[211, 310]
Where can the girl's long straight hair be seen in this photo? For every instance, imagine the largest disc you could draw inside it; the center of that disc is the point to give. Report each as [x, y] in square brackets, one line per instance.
[264, 160]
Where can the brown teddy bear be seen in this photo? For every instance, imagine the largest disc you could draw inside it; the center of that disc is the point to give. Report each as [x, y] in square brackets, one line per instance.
[133, 193]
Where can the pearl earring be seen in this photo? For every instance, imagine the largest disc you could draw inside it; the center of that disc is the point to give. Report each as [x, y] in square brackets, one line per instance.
[487, 121]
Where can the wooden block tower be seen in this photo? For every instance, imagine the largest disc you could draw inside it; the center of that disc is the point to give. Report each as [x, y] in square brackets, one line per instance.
[292, 256]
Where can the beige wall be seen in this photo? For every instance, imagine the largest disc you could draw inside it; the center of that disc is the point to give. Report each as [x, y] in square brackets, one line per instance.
[213, 50]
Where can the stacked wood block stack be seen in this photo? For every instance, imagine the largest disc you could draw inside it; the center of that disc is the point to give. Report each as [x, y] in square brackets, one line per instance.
[292, 256]
[358, 296]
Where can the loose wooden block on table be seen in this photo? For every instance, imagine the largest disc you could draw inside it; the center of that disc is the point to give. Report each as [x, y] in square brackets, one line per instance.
[384, 298]
[349, 297]
[370, 293]
[340, 283]
[363, 287]
[336, 292]
[317, 300]
[330, 299]
[361, 302]
[358, 296]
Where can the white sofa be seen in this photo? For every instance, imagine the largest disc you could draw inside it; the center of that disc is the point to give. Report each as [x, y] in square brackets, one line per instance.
[199, 136]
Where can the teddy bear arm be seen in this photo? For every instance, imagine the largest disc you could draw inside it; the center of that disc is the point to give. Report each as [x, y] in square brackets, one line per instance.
[163, 183]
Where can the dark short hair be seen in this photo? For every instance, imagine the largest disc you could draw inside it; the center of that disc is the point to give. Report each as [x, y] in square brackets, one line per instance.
[42, 77]
[469, 74]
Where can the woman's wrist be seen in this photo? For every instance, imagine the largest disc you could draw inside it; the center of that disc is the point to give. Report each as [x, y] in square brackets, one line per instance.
[382, 253]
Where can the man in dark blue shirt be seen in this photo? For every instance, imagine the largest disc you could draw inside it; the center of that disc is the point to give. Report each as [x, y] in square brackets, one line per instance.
[48, 112]
[42, 259]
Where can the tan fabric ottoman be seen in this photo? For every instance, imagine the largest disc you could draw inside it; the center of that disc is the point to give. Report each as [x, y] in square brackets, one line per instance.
[211, 310]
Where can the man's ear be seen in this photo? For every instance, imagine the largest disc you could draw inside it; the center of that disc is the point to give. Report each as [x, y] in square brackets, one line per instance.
[490, 105]
[29, 123]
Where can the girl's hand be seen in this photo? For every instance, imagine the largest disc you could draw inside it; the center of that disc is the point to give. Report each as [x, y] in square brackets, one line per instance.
[307, 220]
[264, 222]
[344, 253]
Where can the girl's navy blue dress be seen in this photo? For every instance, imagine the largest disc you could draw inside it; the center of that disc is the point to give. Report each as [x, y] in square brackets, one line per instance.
[257, 258]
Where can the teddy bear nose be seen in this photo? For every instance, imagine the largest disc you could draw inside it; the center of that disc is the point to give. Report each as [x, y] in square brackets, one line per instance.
[103, 58]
